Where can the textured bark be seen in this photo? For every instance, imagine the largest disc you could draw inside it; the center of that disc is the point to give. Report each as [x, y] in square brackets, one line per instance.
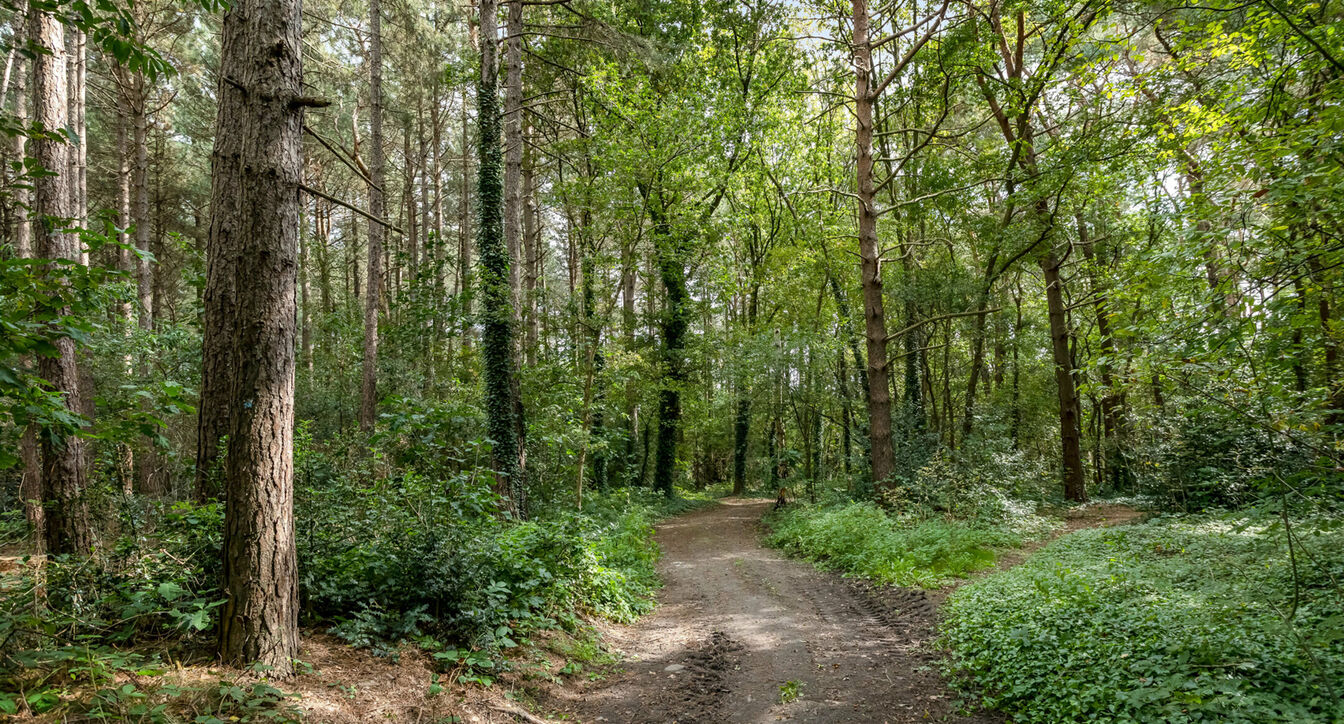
[513, 221]
[78, 159]
[496, 306]
[30, 482]
[140, 203]
[1070, 431]
[368, 398]
[870, 251]
[254, 236]
[63, 466]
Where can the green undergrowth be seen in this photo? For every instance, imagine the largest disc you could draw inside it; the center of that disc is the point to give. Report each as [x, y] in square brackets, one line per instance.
[1189, 619]
[861, 539]
[408, 558]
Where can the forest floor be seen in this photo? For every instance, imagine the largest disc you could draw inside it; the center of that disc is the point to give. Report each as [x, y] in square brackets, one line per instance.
[742, 634]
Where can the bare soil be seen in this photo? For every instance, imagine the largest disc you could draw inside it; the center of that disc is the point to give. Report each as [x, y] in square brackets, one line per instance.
[739, 627]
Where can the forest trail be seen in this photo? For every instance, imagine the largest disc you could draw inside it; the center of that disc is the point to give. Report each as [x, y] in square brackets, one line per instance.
[737, 621]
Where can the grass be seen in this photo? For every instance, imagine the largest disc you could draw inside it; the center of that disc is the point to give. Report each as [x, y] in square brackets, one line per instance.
[860, 539]
[1177, 620]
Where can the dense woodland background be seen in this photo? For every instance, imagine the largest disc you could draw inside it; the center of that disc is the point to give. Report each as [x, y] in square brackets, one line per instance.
[494, 276]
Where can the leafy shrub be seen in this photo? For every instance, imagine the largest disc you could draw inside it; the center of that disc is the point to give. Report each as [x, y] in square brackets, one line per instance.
[863, 540]
[1179, 620]
[411, 557]
[72, 628]
[1212, 457]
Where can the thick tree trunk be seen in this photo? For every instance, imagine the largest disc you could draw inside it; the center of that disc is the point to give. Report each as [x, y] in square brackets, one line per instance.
[254, 231]
[68, 528]
[368, 398]
[870, 252]
[672, 269]
[1070, 431]
[496, 292]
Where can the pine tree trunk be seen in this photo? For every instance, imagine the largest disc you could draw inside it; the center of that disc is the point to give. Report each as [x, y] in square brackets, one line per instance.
[870, 251]
[368, 398]
[254, 231]
[68, 528]
[30, 482]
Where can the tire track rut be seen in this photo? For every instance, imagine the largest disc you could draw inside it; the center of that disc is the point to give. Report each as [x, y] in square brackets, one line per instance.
[736, 622]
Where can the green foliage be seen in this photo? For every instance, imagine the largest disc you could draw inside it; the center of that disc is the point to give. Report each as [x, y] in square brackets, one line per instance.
[861, 539]
[1185, 619]
[86, 637]
[407, 557]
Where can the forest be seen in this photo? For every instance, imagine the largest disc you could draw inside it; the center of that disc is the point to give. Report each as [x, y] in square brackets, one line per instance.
[672, 361]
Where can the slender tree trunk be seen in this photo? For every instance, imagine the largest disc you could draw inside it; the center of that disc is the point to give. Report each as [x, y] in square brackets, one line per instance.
[529, 261]
[368, 398]
[1112, 403]
[1069, 418]
[140, 204]
[78, 164]
[305, 297]
[68, 529]
[30, 484]
[414, 165]
[254, 230]
[513, 218]
[464, 251]
[742, 421]
[870, 252]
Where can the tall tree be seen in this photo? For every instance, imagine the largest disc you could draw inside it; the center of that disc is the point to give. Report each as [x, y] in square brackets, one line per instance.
[368, 398]
[496, 291]
[867, 90]
[254, 232]
[67, 524]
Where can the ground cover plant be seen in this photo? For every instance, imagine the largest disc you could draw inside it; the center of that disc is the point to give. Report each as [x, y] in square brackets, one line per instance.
[861, 539]
[1198, 618]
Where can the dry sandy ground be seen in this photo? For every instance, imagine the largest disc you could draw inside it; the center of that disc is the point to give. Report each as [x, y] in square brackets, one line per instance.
[736, 622]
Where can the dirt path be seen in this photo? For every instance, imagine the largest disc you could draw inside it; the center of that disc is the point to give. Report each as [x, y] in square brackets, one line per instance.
[737, 621]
